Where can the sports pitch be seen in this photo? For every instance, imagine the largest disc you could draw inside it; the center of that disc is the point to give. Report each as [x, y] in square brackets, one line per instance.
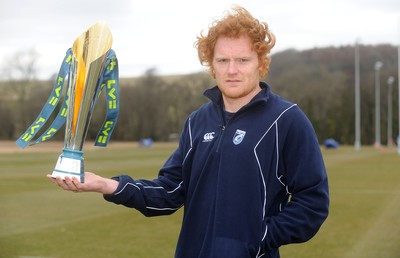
[39, 220]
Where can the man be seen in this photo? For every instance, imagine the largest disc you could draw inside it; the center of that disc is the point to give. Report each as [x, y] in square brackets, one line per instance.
[248, 169]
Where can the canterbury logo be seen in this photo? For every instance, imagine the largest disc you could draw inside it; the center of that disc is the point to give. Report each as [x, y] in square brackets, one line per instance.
[208, 137]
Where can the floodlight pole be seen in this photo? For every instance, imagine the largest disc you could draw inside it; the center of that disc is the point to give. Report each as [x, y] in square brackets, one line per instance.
[357, 143]
[378, 66]
[389, 118]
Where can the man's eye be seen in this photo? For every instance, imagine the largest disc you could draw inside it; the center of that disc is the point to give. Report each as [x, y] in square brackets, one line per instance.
[222, 60]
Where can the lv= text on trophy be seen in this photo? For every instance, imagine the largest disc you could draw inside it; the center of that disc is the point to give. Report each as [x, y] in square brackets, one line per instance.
[87, 68]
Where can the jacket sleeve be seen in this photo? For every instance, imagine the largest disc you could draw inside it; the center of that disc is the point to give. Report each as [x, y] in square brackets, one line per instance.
[306, 182]
[161, 196]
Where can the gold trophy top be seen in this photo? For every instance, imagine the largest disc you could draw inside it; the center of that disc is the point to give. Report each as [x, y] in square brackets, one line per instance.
[90, 46]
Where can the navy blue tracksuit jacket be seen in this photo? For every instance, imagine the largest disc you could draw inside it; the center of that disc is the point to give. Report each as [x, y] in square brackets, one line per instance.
[248, 185]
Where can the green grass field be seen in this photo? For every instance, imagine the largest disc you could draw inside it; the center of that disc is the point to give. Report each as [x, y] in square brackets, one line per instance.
[40, 220]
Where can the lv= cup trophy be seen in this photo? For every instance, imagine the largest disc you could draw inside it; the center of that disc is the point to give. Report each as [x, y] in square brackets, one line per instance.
[88, 63]
[90, 66]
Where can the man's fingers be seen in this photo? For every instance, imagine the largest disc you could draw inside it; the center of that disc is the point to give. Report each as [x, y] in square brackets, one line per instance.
[70, 184]
[52, 179]
[62, 183]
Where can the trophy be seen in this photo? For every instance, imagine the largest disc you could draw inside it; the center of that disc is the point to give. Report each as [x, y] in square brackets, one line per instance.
[90, 66]
[88, 63]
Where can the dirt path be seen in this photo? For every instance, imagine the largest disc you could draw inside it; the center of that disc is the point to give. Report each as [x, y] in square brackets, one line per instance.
[11, 147]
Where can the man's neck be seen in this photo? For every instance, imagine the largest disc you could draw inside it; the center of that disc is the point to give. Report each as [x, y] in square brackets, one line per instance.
[233, 105]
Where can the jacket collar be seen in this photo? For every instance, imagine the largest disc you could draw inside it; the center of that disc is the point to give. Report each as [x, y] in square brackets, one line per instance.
[215, 95]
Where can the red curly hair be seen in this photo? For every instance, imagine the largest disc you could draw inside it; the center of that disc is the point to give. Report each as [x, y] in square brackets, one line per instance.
[234, 25]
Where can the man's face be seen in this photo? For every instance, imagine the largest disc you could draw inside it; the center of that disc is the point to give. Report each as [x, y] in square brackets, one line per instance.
[236, 69]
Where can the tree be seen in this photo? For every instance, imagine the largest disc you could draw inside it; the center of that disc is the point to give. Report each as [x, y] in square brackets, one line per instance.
[20, 71]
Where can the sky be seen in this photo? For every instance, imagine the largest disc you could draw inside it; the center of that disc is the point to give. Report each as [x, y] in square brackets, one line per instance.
[160, 34]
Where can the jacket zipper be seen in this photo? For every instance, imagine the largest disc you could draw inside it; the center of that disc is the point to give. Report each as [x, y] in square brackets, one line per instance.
[222, 127]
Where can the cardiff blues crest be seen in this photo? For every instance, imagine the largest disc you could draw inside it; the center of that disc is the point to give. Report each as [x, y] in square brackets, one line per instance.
[238, 137]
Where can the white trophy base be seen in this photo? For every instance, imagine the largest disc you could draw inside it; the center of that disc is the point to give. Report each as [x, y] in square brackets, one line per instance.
[70, 163]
